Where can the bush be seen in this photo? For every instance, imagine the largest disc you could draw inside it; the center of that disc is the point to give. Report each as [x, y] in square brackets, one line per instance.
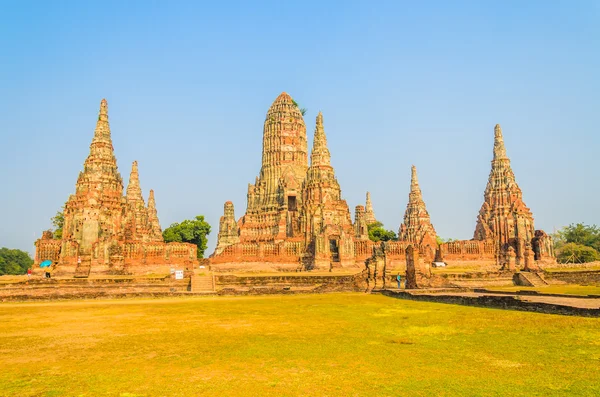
[577, 253]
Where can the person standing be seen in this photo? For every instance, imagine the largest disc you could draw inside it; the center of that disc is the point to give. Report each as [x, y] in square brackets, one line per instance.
[399, 280]
[28, 274]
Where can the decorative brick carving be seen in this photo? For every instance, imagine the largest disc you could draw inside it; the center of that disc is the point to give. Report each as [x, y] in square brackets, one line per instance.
[504, 219]
[105, 231]
[417, 227]
[369, 213]
[291, 204]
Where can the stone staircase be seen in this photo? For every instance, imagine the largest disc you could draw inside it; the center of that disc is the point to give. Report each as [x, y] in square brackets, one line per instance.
[531, 279]
[82, 271]
[203, 283]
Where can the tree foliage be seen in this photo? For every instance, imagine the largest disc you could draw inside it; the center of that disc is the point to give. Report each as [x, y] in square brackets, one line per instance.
[378, 233]
[439, 240]
[577, 243]
[14, 261]
[189, 231]
[58, 222]
[577, 253]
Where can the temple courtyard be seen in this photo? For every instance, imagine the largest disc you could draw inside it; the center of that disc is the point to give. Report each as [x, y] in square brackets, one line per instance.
[338, 344]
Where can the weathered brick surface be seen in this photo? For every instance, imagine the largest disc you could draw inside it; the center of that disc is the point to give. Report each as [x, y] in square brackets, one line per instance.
[295, 213]
[106, 231]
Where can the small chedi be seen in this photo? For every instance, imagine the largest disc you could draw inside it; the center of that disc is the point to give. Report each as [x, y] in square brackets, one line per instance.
[417, 228]
[369, 213]
[105, 231]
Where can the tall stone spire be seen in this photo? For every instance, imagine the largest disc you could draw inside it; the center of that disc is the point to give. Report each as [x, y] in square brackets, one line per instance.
[155, 230]
[324, 213]
[417, 227]
[321, 185]
[137, 227]
[320, 156]
[96, 207]
[228, 229]
[284, 135]
[285, 153]
[102, 132]
[503, 216]
[499, 149]
[134, 191]
[276, 196]
[369, 213]
[101, 164]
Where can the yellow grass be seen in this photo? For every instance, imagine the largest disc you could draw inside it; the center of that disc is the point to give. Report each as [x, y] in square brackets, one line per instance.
[311, 345]
[573, 269]
[567, 289]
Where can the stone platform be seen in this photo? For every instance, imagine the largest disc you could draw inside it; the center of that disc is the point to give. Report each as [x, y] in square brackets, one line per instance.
[208, 283]
[529, 301]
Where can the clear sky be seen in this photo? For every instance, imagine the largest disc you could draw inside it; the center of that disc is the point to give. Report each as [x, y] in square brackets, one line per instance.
[189, 83]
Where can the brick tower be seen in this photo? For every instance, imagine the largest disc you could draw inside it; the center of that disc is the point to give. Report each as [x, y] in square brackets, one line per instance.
[275, 198]
[417, 227]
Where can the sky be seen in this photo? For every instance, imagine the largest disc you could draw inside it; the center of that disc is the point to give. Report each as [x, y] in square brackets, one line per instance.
[188, 86]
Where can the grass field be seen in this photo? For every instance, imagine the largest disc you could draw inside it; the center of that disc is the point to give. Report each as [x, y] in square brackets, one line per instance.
[313, 345]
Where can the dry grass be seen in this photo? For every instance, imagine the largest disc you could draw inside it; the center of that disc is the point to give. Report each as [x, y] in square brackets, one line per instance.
[312, 345]
[567, 289]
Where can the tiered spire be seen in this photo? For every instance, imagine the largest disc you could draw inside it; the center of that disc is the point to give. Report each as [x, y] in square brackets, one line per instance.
[369, 213]
[503, 216]
[284, 156]
[155, 230]
[134, 191]
[499, 149]
[228, 229]
[417, 227]
[321, 190]
[320, 156]
[101, 163]
[284, 137]
[98, 198]
[321, 184]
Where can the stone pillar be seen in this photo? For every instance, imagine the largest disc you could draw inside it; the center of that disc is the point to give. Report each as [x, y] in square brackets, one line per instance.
[418, 272]
[510, 262]
[530, 265]
[376, 268]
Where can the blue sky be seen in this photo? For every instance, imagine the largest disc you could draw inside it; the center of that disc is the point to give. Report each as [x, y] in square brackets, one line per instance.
[399, 83]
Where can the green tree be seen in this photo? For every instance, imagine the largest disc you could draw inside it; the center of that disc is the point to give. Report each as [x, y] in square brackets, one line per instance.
[579, 233]
[189, 231]
[378, 233]
[14, 261]
[570, 241]
[441, 241]
[58, 222]
[577, 253]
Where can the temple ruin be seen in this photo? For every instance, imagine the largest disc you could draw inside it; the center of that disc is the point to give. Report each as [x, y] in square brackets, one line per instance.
[105, 231]
[296, 218]
[504, 234]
